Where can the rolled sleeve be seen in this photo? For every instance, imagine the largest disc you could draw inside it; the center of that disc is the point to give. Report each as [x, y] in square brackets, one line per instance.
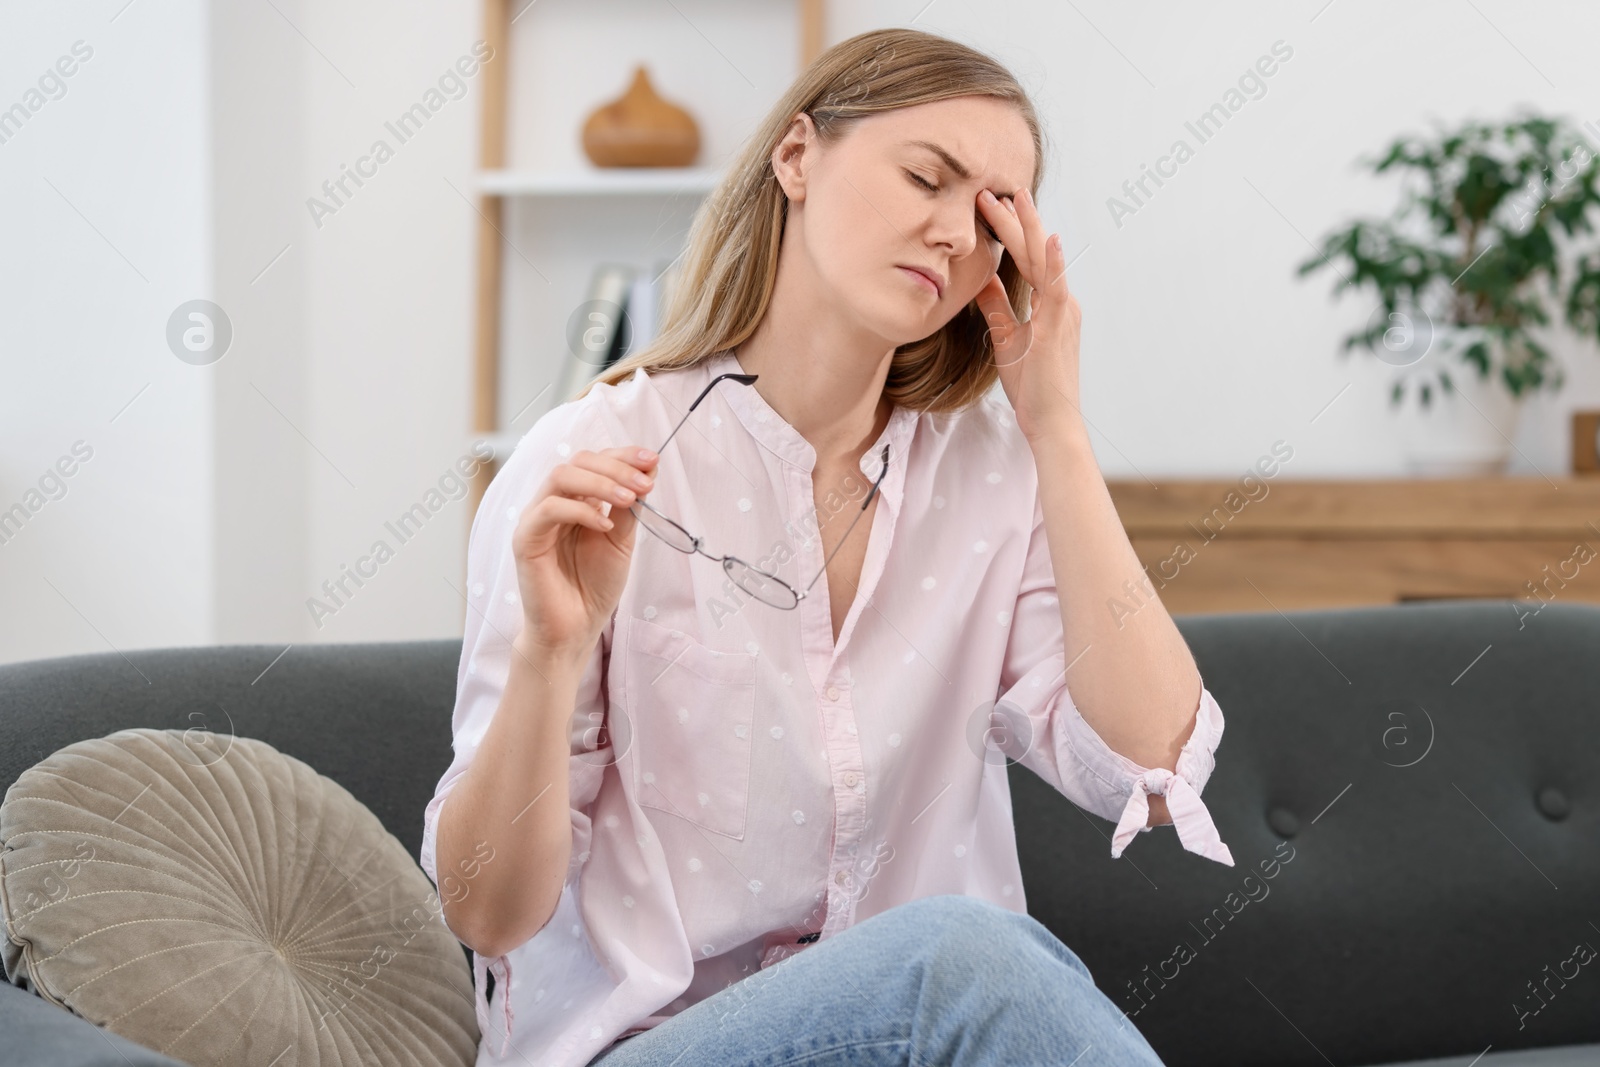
[1127, 785]
[1039, 726]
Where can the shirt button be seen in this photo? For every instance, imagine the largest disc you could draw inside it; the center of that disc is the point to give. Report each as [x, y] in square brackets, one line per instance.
[850, 779]
[833, 692]
[843, 878]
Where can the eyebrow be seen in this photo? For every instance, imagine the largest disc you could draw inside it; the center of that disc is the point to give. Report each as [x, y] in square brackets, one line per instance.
[952, 162]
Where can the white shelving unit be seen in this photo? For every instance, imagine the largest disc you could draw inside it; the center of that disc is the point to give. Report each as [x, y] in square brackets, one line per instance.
[584, 184]
[635, 181]
[495, 185]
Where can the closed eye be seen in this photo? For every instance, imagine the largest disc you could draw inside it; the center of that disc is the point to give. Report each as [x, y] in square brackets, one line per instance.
[926, 184]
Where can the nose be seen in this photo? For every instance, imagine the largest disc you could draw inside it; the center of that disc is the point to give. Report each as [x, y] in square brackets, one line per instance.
[956, 225]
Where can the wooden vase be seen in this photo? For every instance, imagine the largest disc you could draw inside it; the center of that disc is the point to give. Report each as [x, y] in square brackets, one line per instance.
[641, 130]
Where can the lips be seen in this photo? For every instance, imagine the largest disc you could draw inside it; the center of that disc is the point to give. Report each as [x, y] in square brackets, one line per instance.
[926, 275]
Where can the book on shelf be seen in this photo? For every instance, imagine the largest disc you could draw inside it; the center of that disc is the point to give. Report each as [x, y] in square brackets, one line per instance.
[597, 330]
[621, 314]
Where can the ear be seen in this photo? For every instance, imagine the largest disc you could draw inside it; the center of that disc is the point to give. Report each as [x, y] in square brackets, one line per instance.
[793, 155]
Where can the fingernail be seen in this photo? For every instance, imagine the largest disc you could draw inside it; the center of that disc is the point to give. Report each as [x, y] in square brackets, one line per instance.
[988, 197]
[646, 454]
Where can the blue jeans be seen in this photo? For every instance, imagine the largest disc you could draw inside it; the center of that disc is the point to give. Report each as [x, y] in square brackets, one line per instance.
[946, 980]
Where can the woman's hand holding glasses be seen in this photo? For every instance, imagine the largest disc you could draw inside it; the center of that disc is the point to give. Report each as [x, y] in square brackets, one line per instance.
[572, 561]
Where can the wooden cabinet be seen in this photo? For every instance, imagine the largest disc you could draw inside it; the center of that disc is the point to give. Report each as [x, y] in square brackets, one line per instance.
[1264, 544]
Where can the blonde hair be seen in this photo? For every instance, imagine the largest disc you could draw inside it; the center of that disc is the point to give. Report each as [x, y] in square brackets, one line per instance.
[730, 265]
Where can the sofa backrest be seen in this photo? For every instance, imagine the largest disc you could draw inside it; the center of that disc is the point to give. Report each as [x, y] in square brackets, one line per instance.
[1386, 765]
[373, 717]
[1410, 795]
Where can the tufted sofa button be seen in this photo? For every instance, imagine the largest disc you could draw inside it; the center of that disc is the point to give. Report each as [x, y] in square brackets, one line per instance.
[1553, 802]
[1283, 821]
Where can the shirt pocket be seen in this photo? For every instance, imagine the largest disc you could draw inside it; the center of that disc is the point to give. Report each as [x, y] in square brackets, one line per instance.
[693, 714]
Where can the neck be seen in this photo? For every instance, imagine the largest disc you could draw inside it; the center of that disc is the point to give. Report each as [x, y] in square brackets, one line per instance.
[822, 376]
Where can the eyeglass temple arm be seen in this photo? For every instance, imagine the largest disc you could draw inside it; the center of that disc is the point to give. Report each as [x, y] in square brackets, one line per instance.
[855, 520]
[743, 379]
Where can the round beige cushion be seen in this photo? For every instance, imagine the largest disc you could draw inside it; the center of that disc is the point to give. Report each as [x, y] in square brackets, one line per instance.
[220, 902]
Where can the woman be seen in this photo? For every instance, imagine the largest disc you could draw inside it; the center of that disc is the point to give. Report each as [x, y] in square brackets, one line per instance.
[759, 811]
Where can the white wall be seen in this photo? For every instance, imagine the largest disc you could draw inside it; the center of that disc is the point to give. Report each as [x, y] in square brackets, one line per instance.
[1200, 346]
[389, 301]
[261, 388]
[107, 229]
[222, 498]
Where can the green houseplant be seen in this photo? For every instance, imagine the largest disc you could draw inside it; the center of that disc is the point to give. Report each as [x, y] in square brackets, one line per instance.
[1485, 242]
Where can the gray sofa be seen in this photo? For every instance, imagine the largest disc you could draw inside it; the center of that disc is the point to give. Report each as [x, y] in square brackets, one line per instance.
[1411, 795]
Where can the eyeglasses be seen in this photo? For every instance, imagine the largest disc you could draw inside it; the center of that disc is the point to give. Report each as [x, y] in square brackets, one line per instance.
[763, 585]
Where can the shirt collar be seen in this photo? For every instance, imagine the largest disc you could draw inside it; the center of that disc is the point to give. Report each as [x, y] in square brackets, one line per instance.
[768, 427]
